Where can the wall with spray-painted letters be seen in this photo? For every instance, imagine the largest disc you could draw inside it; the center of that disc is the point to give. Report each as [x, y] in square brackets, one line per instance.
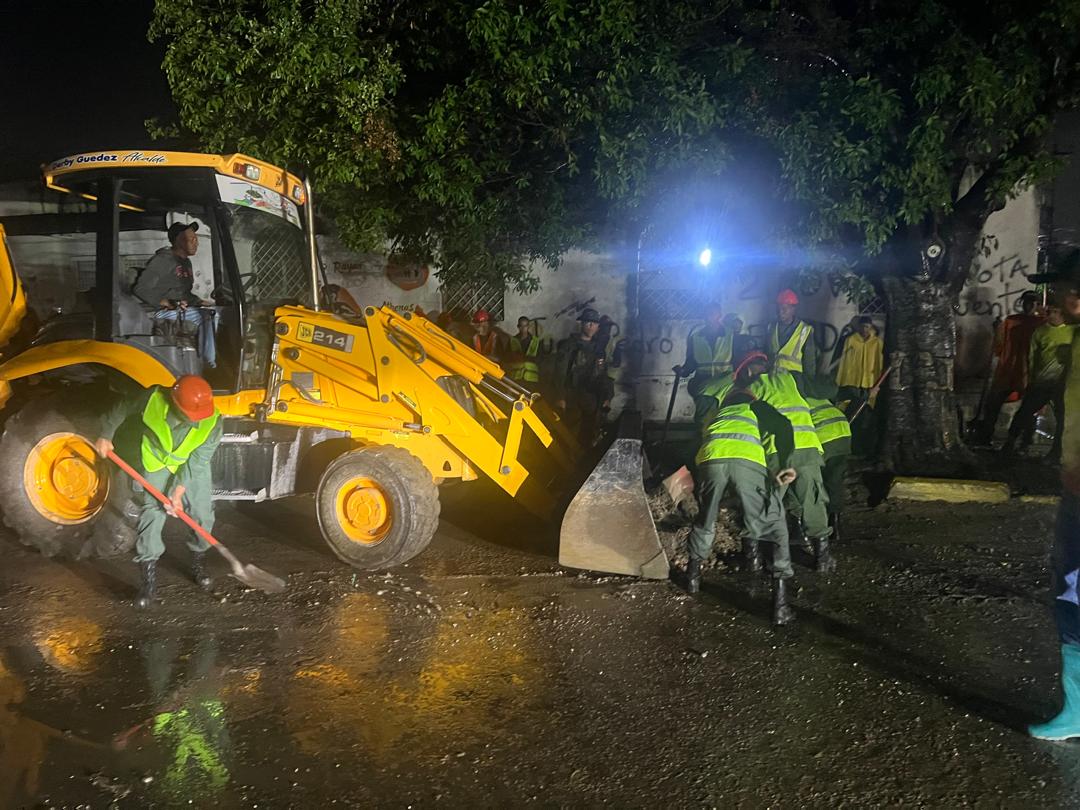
[648, 349]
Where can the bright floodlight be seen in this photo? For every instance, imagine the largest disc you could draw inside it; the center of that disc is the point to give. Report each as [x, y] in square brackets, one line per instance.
[705, 257]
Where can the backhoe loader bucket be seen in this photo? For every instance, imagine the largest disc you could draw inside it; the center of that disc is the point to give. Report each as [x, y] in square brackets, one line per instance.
[608, 526]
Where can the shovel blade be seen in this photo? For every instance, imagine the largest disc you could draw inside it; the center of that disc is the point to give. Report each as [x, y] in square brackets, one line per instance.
[608, 526]
[259, 580]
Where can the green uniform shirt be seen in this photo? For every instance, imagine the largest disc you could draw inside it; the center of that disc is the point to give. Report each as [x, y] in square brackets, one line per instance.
[198, 463]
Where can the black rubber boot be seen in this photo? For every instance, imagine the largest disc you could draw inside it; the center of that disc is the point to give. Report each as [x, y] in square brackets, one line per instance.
[693, 575]
[751, 556]
[782, 612]
[834, 521]
[199, 572]
[825, 563]
[148, 588]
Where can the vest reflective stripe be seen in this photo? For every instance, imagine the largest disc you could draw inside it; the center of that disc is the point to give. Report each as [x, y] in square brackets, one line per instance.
[727, 437]
[789, 356]
[158, 451]
[525, 370]
[712, 359]
[780, 391]
[829, 420]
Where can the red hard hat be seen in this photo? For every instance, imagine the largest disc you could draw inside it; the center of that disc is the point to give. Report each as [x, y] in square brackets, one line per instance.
[192, 395]
[750, 358]
[481, 316]
[787, 297]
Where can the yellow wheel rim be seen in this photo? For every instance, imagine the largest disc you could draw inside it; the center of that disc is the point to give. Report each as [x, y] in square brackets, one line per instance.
[62, 480]
[363, 511]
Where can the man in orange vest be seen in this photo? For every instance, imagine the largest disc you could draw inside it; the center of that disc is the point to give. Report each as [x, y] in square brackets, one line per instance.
[486, 339]
[179, 430]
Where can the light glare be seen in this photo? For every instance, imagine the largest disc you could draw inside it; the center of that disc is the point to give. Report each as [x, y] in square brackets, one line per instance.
[705, 257]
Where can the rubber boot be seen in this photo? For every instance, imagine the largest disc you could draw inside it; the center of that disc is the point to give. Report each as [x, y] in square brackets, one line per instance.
[148, 588]
[834, 521]
[693, 575]
[782, 612]
[1009, 448]
[1066, 724]
[824, 562]
[199, 572]
[751, 555]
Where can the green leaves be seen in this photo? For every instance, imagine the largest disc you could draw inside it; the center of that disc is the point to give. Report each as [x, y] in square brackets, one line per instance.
[489, 136]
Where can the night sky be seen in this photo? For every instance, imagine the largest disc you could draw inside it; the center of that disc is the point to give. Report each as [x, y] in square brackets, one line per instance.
[76, 77]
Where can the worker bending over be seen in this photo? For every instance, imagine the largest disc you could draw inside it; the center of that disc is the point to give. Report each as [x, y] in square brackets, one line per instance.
[778, 388]
[834, 433]
[732, 452]
[179, 430]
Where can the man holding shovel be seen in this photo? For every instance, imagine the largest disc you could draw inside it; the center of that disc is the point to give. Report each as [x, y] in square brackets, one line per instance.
[180, 430]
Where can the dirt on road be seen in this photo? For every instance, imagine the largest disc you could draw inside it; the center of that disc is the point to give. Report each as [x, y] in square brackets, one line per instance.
[482, 674]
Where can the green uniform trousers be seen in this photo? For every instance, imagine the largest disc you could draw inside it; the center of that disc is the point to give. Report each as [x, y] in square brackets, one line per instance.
[832, 475]
[763, 513]
[198, 503]
[806, 496]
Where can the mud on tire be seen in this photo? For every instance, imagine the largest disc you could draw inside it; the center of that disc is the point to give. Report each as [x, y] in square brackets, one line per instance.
[36, 420]
[404, 486]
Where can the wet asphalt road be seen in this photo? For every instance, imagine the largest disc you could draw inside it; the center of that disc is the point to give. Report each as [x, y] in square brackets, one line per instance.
[483, 675]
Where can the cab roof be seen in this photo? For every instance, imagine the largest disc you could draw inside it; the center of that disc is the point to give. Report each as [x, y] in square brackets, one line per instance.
[237, 165]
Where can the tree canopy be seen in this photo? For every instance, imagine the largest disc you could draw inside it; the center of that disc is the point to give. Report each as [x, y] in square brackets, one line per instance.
[486, 135]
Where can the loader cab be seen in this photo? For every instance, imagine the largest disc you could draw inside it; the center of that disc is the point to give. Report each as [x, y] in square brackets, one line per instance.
[110, 216]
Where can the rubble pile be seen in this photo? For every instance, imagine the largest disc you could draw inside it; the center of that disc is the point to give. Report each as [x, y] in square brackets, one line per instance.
[674, 522]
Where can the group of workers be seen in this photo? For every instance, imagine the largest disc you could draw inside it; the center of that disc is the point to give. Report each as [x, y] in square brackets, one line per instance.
[1031, 356]
[770, 431]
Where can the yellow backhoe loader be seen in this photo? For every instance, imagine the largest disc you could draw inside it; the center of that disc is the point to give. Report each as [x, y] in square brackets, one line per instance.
[369, 412]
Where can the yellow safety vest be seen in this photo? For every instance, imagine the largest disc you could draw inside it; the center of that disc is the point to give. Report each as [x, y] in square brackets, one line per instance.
[833, 428]
[525, 370]
[733, 433]
[713, 359]
[789, 356]
[780, 391]
[717, 388]
[158, 451]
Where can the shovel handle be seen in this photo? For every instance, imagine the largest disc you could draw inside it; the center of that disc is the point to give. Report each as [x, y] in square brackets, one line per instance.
[180, 513]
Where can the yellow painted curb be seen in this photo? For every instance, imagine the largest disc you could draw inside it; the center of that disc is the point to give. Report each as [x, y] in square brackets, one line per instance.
[1049, 500]
[950, 490]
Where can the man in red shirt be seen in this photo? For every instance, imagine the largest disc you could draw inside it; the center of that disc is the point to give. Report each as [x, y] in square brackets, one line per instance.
[1011, 346]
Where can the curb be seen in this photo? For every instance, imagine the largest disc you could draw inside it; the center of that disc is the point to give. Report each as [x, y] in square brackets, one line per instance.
[950, 490]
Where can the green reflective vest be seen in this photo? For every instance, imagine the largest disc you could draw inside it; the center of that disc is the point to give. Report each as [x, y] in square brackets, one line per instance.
[717, 388]
[711, 359]
[779, 390]
[732, 434]
[833, 428]
[158, 451]
[527, 370]
[789, 356]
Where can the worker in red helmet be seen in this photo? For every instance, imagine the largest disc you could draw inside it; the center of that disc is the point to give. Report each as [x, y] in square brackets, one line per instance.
[486, 338]
[177, 430]
[791, 340]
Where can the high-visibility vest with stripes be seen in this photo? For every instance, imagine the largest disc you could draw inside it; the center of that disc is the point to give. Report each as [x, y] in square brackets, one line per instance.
[789, 356]
[713, 358]
[158, 451]
[833, 428]
[779, 390]
[732, 434]
[717, 388]
[526, 370]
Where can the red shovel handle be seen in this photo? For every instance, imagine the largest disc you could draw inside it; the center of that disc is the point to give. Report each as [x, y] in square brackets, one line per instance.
[180, 513]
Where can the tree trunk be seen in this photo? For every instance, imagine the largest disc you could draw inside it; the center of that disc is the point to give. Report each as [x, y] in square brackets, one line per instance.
[923, 433]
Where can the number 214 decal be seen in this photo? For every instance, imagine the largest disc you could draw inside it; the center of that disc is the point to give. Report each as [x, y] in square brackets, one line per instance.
[321, 336]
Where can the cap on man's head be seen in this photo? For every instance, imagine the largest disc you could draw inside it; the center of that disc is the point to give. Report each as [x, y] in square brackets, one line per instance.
[1029, 295]
[865, 319]
[178, 228]
[788, 298]
[589, 315]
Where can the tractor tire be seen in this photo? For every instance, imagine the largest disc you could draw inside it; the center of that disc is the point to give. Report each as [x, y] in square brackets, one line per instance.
[377, 507]
[52, 484]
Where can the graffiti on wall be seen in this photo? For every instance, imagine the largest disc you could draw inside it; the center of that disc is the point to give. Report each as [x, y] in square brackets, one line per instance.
[996, 288]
